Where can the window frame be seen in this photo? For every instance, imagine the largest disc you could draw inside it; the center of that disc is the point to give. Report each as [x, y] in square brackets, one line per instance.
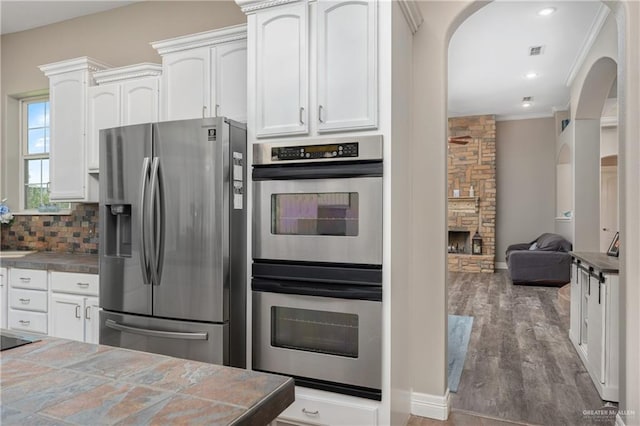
[25, 156]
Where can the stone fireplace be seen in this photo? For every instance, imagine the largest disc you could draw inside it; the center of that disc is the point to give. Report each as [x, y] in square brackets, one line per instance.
[472, 163]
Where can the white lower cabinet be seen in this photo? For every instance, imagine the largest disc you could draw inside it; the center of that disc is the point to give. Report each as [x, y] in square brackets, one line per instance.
[594, 321]
[4, 287]
[313, 407]
[27, 300]
[73, 312]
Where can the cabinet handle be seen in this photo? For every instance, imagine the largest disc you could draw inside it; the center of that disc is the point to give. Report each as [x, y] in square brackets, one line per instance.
[204, 111]
[301, 115]
[78, 311]
[217, 106]
[83, 285]
[24, 322]
[311, 413]
[86, 312]
[24, 301]
[25, 279]
[320, 108]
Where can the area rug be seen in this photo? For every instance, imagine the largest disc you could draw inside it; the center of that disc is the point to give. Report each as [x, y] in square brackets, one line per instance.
[459, 333]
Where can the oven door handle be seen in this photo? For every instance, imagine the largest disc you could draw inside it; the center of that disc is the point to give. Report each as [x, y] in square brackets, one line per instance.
[315, 171]
[305, 288]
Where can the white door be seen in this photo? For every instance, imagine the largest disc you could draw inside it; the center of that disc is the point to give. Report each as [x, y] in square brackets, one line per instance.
[140, 101]
[230, 81]
[596, 315]
[186, 85]
[92, 320]
[282, 71]
[347, 65]
[608, 205]
[103, 112]
[3, 297]
[66, 317]
[67, 164]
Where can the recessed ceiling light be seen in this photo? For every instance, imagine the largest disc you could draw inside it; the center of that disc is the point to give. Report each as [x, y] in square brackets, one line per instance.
[547, 11]
[531, 75]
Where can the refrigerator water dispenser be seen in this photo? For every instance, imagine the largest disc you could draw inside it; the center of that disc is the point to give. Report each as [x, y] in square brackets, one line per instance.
[118, 226]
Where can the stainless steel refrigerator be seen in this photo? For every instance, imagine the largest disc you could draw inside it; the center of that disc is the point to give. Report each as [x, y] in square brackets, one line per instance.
[173, 239]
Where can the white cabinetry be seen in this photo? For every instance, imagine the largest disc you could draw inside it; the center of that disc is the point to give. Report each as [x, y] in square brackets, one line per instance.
[282, 71]
[27, 300]
[313, 407]
[68, 83]
[343, 65]
[594, 320]
[122, 96]
[74, 306]
[204, 75]
[3, 297]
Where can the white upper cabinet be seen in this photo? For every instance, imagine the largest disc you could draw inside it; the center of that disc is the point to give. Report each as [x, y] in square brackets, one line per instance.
[204, 75]
[123, 96]
[282, 71]
[347, 72]
[68, 83]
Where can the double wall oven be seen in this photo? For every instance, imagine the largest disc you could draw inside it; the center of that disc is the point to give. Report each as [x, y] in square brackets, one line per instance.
[317, 263]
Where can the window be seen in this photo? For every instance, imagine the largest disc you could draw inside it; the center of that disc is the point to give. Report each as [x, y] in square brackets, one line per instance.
[35, 155]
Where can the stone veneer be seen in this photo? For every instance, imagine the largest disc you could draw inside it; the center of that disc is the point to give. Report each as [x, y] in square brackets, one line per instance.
[473, 164]
[73, 233]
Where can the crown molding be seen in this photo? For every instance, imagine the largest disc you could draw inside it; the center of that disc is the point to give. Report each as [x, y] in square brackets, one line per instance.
[83, 63]
[203, 39]
[412, 14]
[531, 116]
[609, 121]
[594, 31]
[252, 6]
[129, 72]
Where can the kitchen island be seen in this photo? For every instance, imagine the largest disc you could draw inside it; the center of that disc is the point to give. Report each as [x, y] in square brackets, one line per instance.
[58, 381]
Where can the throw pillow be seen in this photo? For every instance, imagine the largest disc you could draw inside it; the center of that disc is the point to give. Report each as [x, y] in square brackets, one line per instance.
[534, 246]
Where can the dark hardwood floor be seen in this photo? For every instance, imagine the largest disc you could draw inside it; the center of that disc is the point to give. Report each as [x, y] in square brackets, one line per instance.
[520, 365]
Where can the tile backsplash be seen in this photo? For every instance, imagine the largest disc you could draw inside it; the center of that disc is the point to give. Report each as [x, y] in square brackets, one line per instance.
[73, 233]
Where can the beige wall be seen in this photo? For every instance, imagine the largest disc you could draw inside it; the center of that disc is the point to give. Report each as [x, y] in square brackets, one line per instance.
[118, 37]
[526, 168]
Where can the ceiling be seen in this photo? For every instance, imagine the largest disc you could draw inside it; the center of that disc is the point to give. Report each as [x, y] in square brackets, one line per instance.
[20, 15]
[489, 57]
[488, 54]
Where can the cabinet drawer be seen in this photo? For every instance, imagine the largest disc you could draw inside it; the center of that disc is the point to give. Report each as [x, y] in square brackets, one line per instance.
[70, 282]
[29, 300]
[28, 278]
[35, 322]
[309, 410]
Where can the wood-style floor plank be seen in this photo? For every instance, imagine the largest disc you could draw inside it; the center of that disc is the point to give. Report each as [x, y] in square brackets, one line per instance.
[520, 366]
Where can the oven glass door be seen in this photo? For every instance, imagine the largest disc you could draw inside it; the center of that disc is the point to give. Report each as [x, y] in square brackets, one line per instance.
[322, 338]
[319, 220]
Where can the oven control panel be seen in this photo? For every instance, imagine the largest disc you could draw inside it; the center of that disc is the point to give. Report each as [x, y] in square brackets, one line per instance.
[311, 152]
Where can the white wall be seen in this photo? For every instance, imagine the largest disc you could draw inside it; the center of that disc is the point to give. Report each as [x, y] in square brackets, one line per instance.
[525, 174]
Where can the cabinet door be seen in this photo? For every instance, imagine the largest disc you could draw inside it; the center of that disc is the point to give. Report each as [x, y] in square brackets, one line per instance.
[140, 101]
[230, 81]
[575, 313]
[103, 112]
[67, 167]
[282, 71]
[186, 84]
[91, 315]
[66, 318]
[584, 307]
[347, 65]
[596, 314]
[3, 297]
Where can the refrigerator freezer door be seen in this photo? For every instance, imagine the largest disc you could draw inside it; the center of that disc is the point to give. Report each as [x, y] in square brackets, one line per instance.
[124, 176]
[182, 339]
[192, 220]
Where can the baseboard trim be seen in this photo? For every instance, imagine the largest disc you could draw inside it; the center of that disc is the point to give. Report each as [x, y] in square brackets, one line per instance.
[431, 406]
[501, 265]
[619, 421]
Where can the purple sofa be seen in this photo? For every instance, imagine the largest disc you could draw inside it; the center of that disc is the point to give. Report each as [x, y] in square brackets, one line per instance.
[544, 261]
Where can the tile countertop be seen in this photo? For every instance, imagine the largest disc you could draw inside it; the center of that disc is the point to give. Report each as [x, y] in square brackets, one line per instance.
[53, 261]
[58, 381]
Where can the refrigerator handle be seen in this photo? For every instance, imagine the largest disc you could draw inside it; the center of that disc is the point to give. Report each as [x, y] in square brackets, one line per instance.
[156, 333]
[155, 218]
[143, 229]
